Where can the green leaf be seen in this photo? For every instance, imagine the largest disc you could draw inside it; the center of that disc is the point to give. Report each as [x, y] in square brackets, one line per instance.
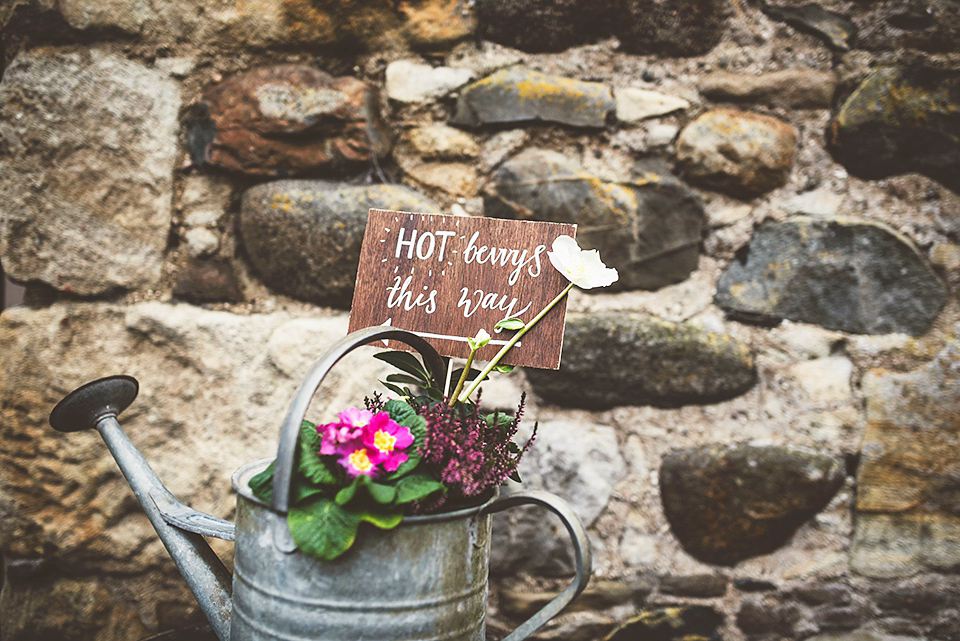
[503, 369]
[399, 411]
[515, 476]
[415, 487]
[471, 375]
[396, 389]
[262, 484]
[406, 362]
[511, 324]
[322, 529]
[313, 467]
[403, 378]
[344, 495]
[383, 520]
[383, 494]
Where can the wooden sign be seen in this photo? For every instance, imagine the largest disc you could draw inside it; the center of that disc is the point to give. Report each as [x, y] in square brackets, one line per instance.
[447, 277]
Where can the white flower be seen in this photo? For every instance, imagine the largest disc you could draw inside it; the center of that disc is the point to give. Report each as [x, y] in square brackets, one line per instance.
[581, 267]
[482, 339]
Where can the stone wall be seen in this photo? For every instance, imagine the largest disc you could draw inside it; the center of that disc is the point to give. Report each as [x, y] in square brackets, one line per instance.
[759, 426]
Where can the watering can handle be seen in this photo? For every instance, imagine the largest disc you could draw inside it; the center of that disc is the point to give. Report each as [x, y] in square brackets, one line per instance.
[283, 473]
[581, 551]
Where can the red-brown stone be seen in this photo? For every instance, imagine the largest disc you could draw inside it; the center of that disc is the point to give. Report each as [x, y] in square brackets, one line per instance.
[293, 120]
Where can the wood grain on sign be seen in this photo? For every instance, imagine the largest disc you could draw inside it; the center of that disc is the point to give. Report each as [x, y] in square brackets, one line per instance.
[447, 277]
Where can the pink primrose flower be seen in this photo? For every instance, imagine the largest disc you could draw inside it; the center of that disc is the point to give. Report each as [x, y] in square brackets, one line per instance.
[387, 439]
[344, 431]
[357, 461]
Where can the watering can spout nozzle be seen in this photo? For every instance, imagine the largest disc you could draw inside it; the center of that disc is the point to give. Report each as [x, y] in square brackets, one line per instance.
[96, 405]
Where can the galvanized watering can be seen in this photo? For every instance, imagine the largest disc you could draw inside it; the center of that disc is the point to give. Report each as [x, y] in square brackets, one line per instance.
[424, 580]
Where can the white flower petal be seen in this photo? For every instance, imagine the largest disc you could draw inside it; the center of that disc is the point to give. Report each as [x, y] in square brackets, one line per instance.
[583, 268]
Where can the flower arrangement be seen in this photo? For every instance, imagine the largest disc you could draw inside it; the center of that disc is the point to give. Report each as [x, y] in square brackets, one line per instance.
[419, 453]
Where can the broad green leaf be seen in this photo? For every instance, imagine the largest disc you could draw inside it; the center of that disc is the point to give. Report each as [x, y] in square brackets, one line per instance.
[398, 410]
[384, 521]
[503, 369]
[511, 324]
[415, 487]
[313, 467]
[383, 494]
[322, 529]
[343, 496]
[515, 476]
[262, 484]
[406, 362]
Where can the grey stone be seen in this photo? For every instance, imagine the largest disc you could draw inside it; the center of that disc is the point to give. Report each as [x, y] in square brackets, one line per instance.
[795, 88]
[757, 617]
[901, 120]
[669, 27]
[894, 25]
[578, 462]
[635, 104]
[519, 95]
[845, 274]
[727, 503]
[541, 25]
[923, 595]
[703, 586]
[835, 29]
[737, 152]
[649, 229]
[303, 236]
[410, 81]
[608, 359]
[864, 635]
[86, 176]
[207, 280]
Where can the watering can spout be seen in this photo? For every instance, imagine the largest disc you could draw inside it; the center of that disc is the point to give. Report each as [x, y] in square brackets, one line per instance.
[181, 529]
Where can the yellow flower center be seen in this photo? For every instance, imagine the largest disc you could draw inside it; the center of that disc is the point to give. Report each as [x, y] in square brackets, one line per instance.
[576, 271]
[360, 461]
[384, 441]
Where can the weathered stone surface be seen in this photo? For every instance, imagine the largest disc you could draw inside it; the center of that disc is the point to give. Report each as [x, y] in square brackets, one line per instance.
[599, 595]
[85, 183]
[768, 617]
[908, 470]
[635, 104]
[541, 25]
[835, 29]
[701, 586]
[863, 635]
[67, 609]
[430, 156]
[727, 503]
[518, 95]
[410, 81]
[738, 152]
[901, 120]
[576, 461]
[670, 624]
[669, 27]
[291, 119]
[845, 274]
[923, 595]
[435, 25]
[303, 236]
[214, 387]
[128, 16]
[207, 280]
[637, 359]
[649, 229]
[794, 88]
[889, 25]
[440, 142]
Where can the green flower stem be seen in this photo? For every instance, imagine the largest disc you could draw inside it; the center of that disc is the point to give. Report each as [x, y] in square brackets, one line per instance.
[463, 376]
[506, 348]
